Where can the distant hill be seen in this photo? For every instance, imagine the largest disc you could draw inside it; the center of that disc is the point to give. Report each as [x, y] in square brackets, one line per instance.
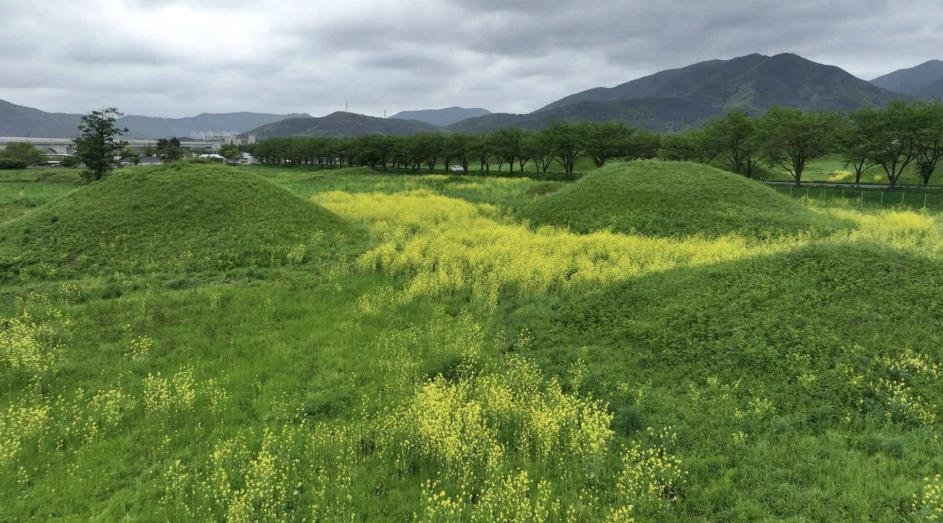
[923, 81]
[679, 98]
[151, 127]
[442, 117]
[17, 120]
[341, 124]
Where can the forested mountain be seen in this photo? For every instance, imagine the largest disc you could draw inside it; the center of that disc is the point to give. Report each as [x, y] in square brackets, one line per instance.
[755, 82]
[659, 114]
[341, 124]
[151, 127]
[923, 81]
[442, 117]
[17, 120]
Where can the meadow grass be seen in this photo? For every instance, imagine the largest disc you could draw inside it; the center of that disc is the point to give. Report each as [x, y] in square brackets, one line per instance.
[458, 364]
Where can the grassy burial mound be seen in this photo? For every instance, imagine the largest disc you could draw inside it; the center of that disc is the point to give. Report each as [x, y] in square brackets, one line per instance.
[759, 363]
[674, 199]
[171, 219]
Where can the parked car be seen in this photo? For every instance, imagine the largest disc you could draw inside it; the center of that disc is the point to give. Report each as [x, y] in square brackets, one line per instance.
[457, 168]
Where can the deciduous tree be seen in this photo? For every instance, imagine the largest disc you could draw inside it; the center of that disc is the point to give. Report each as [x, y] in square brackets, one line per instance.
[733, 138]
[789, 138]
[97, 145]
[890, 136]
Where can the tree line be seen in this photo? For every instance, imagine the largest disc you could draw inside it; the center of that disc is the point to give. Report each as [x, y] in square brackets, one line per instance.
[893, 138]
[561, 143]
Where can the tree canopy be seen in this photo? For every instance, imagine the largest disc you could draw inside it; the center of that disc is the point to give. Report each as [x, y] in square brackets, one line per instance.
[98, 146]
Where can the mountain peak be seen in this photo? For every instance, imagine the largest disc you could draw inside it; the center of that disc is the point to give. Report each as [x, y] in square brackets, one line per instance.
[755, 81]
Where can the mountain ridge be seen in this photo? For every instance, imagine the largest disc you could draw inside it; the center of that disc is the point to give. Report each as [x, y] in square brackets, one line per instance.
[684, 97]
[922, 81]
[442, 117]
[342, 124]
[18, 120]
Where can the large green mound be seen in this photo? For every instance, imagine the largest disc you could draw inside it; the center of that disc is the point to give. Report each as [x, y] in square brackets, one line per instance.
[821, 358]
[192, 218]
[674, 199]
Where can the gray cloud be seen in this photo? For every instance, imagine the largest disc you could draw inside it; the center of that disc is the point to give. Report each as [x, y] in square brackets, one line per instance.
[176, 58]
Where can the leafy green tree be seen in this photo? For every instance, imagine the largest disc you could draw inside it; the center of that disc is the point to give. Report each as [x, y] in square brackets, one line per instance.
[642, 144]
[564, 140]
[23, 152]
[850, 143]
[97, 145]
[456, 148]
[480, 148]
[929, 140]
[169, 149]
[688, 146]
[508, 145]
[536, 147]
[604, 141]
[230, 151]
[890, 136]
[789, 138]
[733, 138]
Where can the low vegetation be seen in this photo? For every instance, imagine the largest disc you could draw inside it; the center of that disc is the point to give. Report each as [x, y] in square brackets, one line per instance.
[353, 345]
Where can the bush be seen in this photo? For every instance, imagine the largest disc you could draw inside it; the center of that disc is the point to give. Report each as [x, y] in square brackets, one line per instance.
[10, 163]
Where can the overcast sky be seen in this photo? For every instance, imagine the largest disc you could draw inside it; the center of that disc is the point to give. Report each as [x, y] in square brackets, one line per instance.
[179, 58]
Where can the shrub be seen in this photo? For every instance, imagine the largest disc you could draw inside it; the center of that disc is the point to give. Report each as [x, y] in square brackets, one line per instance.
[10, 163]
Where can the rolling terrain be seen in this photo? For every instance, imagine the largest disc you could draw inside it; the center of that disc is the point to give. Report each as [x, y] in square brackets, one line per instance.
[263, 343]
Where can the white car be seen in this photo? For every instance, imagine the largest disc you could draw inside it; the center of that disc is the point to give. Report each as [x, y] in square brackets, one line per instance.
[456, 168]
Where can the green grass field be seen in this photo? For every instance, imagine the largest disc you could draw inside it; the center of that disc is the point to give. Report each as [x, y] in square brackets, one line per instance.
[353, 345]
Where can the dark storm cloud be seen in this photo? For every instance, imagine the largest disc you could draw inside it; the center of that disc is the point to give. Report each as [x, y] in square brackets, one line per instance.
[170, 57]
